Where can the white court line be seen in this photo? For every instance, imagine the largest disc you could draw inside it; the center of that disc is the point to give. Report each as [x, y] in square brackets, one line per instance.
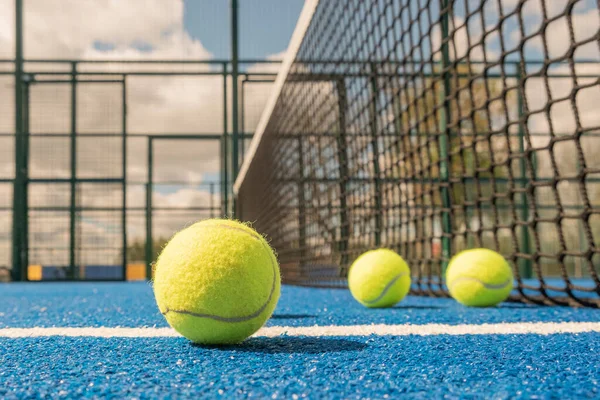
[539, 328]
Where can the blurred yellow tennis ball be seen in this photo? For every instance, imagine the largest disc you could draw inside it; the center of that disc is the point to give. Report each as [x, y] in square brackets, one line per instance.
[217, 282]
[479, 278]
[379, 278]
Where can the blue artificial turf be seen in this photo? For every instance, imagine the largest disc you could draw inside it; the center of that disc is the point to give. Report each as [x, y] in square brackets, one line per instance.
[132, 305]
[470, 366]
[498, 366]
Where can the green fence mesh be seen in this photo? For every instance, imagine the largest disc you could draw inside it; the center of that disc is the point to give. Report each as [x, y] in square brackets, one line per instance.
[100, 201]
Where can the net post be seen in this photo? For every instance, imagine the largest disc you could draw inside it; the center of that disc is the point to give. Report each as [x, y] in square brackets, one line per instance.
[149, 190]
[19, 248]
[444, 139]
[301, 208]
[224, 148]
[526, 267]
[26, 87]
[73, 274]
[373, 110]
[212, 198]
[242, 118]
[124, 173]
[342, 156]
[234, 97]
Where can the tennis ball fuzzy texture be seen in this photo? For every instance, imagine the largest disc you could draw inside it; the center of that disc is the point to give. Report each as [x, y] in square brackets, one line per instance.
[479, 278]
[379, 278]
[217, 282]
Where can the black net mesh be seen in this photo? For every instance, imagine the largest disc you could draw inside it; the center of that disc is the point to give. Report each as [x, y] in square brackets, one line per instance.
[433, 126]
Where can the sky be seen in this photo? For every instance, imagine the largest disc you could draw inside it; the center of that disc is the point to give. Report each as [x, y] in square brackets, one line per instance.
[208, 21]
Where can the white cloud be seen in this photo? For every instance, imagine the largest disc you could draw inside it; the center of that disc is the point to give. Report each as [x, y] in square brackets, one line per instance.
[70, 28]
[272, 67]
[7, 28]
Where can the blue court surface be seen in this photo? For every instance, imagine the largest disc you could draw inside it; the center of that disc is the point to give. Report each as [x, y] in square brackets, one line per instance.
[111, 341]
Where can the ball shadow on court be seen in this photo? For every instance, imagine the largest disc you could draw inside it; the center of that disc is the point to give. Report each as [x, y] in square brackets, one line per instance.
[291, 345]
[292, 316]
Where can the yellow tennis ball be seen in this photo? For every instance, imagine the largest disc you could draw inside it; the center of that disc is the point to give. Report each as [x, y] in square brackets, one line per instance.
[379, 278]
[217, 282]
[479, 278]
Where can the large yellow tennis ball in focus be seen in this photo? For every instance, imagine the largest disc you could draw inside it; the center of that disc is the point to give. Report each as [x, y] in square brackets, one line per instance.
[217, 282]
[479, 278]
[379, 278]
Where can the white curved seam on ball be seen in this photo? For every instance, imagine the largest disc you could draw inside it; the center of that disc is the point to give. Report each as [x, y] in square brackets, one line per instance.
[490, 286]
[386, 288]
[245, 317]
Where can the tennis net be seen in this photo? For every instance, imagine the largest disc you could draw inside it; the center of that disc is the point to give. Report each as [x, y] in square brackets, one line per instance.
[430, 127]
